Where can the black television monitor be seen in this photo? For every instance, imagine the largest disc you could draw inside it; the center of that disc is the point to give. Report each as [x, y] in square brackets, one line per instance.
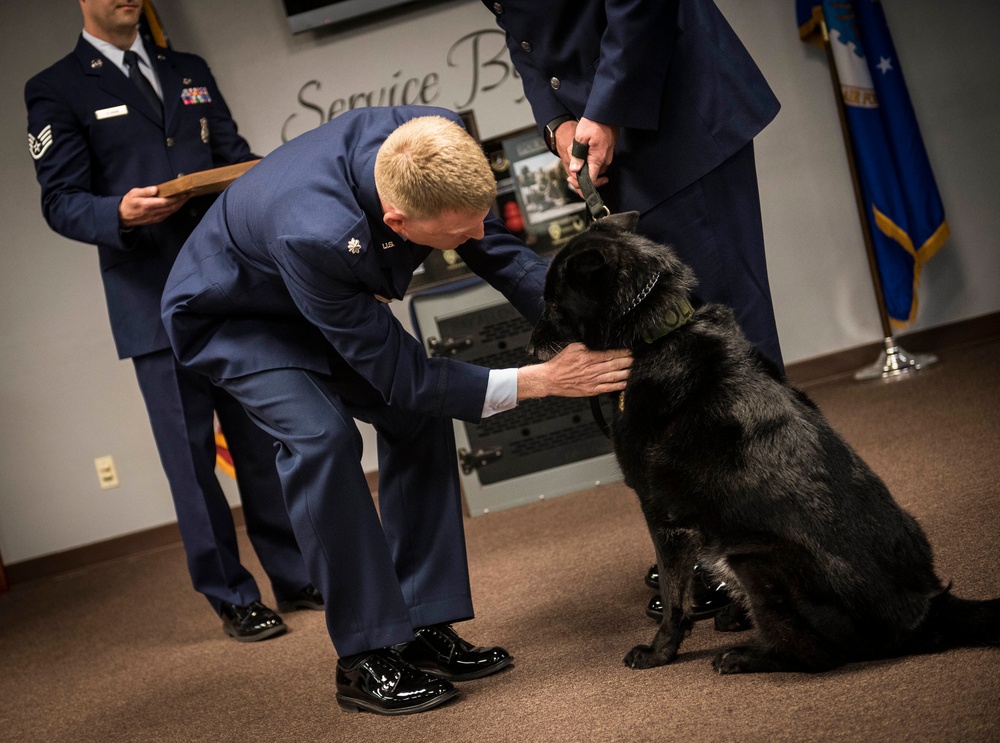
[304, 15]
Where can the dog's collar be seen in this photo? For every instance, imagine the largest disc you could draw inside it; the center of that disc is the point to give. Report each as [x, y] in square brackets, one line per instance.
[674, 318]
[642, 294]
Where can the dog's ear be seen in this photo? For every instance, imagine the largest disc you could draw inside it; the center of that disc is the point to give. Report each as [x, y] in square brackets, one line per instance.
[590, 267]
[624, 221]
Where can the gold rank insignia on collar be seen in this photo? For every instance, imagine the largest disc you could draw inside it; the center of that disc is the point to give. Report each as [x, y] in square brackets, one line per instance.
[354, 245]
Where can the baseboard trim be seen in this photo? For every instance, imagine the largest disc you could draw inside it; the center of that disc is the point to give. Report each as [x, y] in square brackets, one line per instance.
[931, 340]
[4, 586]
[803, 373]
[127, 545]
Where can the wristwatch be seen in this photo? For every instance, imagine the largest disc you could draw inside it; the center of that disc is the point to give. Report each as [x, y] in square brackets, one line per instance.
[550, 131]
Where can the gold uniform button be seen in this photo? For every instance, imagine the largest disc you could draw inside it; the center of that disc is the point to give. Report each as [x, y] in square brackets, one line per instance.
[497, 8]
[170, 141]
[526, 45]
[554, 82]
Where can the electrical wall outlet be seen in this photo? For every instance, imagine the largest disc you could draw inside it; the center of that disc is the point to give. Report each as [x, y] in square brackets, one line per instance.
[106, 474]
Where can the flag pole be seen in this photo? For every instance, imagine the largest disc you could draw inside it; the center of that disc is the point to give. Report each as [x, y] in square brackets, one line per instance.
[893, 361]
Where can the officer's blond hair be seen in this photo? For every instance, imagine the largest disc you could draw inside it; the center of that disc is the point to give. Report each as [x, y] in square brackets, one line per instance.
[430, 165]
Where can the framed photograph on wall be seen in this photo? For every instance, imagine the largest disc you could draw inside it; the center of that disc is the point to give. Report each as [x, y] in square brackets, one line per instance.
[550, 211]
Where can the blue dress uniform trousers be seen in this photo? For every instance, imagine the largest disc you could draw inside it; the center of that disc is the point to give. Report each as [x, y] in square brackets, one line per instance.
[715, 227]
[180, 403]
[381, 578]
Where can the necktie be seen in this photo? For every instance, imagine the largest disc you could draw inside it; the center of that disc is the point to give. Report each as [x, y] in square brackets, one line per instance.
[140, 81]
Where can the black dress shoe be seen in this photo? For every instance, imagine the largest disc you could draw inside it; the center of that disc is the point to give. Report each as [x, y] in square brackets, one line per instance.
[708, 597]
[251, 623]
[307, 598]
[384, 683]
[439, 650]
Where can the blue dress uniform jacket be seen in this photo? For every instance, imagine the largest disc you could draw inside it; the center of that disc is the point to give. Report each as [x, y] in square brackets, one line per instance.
[287, 268]
[671, 73]
[277, 295]
[93, 137]
[88, 110]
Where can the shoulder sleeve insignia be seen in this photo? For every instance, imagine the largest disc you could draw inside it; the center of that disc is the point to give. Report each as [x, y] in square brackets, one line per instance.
[38, 145]
[354, 245]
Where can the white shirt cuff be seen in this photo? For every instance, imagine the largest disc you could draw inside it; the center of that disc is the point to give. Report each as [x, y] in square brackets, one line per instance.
[501, 392]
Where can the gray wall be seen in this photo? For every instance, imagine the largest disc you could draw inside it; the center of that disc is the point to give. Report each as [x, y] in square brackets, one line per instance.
[66, 399]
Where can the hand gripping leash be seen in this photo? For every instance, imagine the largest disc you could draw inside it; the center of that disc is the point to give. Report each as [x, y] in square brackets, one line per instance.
[598, 209]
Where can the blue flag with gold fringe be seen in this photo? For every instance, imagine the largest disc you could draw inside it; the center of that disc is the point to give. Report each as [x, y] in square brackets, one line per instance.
[904, 209]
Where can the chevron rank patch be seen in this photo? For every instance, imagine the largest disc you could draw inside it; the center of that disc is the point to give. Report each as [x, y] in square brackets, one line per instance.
[38, 145]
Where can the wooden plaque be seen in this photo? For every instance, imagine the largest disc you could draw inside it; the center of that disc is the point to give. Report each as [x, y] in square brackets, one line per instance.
[205, 181]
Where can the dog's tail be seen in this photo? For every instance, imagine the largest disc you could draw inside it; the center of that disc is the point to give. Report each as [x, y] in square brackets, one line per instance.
[956, 622]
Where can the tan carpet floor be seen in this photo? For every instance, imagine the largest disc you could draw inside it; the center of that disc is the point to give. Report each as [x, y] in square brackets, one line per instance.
[126, 651]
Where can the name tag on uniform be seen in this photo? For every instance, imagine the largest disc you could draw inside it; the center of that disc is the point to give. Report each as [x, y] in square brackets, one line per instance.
[108, 113]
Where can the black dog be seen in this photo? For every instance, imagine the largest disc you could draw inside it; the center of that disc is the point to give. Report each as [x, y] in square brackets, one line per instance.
[739, 471]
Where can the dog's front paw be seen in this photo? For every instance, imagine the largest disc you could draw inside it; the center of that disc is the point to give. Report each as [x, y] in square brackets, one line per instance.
[734, 660]
[645, 656]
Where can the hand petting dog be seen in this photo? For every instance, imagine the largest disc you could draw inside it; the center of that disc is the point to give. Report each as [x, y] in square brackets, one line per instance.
[575, 371]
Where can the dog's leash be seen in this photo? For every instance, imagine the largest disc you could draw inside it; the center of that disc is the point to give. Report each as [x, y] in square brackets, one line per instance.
[598, 210]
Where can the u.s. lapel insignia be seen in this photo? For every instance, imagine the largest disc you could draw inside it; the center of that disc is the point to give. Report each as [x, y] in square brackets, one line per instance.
[38, 145]
[161, 57]
[390, 244]
[186, 81]
[354, 245]
[204, 129]
[96, 64]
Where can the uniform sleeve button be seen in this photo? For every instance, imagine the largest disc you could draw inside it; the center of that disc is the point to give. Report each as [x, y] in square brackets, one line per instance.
[497, 8]
[170, 141]
[554, 82]
[526, 45]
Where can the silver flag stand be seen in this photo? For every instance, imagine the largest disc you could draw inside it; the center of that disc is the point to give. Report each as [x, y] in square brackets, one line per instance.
[893, 362]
